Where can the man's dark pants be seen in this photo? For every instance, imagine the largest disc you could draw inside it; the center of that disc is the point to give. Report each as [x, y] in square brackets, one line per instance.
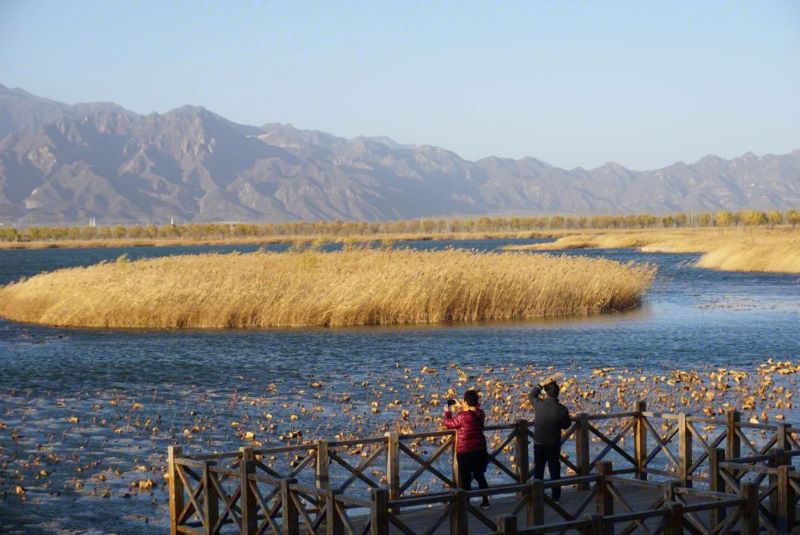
[551, 455]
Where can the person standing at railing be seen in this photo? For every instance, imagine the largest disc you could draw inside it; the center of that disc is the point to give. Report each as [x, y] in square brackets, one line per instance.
[471, 453]
[549, 420]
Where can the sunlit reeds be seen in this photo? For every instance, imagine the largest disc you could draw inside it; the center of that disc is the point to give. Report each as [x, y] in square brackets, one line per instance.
[757, 250]
[307, 288]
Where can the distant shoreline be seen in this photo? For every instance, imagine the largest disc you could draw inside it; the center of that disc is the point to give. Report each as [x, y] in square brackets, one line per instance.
[265, 240]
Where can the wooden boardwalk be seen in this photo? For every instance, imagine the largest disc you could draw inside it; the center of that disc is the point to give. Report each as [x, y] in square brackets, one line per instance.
[632, 472]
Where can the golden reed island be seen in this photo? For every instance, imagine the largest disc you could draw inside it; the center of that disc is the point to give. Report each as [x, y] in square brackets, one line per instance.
[311, 288]
[729, 249]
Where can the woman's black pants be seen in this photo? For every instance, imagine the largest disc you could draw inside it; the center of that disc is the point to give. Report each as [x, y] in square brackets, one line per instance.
[472, 465]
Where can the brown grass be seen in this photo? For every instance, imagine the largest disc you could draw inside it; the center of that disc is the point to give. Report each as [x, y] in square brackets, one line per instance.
[354, 287]
[755, 250]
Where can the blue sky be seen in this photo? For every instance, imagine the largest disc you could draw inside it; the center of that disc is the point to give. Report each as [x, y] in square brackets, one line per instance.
[572, 83]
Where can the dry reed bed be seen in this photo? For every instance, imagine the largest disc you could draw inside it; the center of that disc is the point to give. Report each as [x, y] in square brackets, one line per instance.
[356, 287]
[753, 250]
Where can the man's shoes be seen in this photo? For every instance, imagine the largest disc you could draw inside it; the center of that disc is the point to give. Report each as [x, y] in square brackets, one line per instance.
[556, 498]
[485, 505]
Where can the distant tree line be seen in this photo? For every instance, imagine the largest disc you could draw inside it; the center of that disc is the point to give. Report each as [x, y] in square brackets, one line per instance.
[221, 231]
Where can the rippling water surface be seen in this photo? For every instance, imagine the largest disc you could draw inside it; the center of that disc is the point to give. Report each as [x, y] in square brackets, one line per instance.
[692, 318]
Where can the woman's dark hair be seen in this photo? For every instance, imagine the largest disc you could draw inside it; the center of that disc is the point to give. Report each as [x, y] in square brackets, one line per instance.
[471, 398]
[552, 389]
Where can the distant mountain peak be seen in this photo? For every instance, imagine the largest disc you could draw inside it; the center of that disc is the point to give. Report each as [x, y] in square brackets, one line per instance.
[66, 163]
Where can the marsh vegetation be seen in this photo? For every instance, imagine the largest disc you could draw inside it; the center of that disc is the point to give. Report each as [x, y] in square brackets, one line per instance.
[311, 288]
[753, 250]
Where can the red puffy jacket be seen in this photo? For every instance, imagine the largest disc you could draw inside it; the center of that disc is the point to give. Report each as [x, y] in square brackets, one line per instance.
[469, 429]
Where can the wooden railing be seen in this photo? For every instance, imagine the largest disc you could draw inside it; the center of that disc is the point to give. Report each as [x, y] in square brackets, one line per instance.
[680, 510]
[775, 478]
[270, 490]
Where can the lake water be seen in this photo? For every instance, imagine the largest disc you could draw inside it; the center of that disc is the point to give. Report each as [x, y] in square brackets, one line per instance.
[134, 392]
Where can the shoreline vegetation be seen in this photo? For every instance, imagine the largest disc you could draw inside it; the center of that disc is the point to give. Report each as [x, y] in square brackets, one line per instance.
[311, 288]
[485, 227]
[299, 240]
[747, 250]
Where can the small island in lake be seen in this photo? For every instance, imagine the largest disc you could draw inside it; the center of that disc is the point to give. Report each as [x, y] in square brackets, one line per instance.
[312, 288]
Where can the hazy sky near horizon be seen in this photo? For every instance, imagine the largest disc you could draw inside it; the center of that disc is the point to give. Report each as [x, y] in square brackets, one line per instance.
[572, 83]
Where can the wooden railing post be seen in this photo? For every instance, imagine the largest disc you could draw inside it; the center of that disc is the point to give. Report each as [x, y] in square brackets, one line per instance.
[596, 525]
[640, 440]
[393, 464]
[247, 499]
[379, 512]
[333, 521]
[536, 503]
[604, 499]
[458, 516]
[582, 454]
[684, 450]
[175, 489]
[782, 436]
[323, 466]
[734, 443]
[322, 472]
[669, 490]
[674, 524]
[521, 454]
[749, 521]
[786, 512]
[210, 501]
[716, 482]
[507, 524]
[291, 516]
[773, 462]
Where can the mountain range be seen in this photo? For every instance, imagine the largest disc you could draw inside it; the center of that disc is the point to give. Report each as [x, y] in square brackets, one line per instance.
[64, 164]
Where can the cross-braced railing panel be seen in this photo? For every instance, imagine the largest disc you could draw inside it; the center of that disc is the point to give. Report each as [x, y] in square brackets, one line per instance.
[654, 524]
[710, 513]
[425, 462]
[306, 507]
[648, 521]
[389, 513]
[190, 512]
[706, 435]
[572, 511]
[358, 465]
[504, 455]
[662, 444]
[225, 484]
[612, 439]
[289, 462]
[772, 476]
[756, 439]
[267, 500]
[346, 522]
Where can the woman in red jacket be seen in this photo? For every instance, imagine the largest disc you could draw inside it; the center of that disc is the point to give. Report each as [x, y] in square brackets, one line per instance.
[471, 452]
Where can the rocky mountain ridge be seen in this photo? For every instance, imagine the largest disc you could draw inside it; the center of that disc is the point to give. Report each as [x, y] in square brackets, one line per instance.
[62, 164]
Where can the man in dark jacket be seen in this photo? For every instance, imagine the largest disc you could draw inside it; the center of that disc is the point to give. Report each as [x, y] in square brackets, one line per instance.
[550, 418]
